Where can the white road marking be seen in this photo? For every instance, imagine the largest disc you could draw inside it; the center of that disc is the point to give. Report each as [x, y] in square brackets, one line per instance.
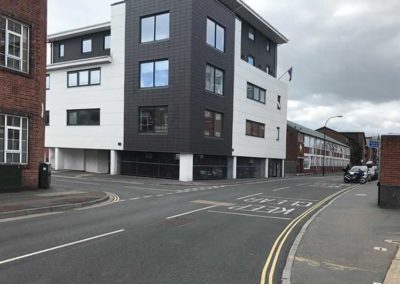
[160, 195]
[377, 283]
[248, 215]
[135, 198]
[360, 194]
[28, 217]
[147, 196]
[77, 182]
[146, 188]
[282, 188]
[303, 184]
[61, 246]
[380, 249]
[244, 197]
[190, 212]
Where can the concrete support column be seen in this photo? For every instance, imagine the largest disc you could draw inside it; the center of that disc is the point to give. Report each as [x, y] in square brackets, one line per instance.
[115, 162]
[232, 168]
[283, 168]
[186, 167]
[266, 168]
[58, 159]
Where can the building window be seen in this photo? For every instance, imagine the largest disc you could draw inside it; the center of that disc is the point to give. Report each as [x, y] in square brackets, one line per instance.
[252, 34]
[47, 118]
[268, 46]
[214, 80]
[154, 28]
[278, 133]
[87, 45]
[256, 93]
[14, 45]
[279, 103]
[154, 74]
[153, 119]
[107, 42]
[268, 69]
[47, 81]
[255, 129]
[83, 117]
[212, 124]
[13, 139]
[307, 163]
[215, 35]
[81, 78]
[61, 50]
[250, 60]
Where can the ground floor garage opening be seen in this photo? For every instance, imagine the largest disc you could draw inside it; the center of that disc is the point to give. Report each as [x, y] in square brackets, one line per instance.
[150, 164]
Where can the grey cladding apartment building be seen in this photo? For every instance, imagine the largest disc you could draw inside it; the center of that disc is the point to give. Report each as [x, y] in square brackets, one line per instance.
[181, 65]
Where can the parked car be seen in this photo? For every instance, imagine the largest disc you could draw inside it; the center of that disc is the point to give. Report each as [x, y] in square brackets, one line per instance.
[357, 174]
[372, 170]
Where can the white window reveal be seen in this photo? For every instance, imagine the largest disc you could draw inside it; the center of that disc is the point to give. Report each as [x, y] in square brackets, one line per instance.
[13, 140]
[14, 45]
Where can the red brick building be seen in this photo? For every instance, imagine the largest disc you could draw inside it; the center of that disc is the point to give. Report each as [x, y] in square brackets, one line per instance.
[389, 177]
[23, 30]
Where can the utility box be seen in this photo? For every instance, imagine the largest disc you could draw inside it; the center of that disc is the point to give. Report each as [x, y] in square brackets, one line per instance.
[10, 177]
[44, 176]
[389, 176]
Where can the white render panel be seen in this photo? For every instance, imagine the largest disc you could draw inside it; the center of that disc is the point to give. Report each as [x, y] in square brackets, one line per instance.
[109, 97]
[247, 109]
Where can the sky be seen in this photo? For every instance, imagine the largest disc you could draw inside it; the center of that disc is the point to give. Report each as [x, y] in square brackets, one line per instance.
[345, 57]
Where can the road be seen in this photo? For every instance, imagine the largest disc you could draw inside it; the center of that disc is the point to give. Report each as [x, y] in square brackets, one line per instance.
[155, 233]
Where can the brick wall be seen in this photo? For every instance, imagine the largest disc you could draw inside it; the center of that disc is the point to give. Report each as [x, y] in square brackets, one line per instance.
[390, 161]
[24, 94]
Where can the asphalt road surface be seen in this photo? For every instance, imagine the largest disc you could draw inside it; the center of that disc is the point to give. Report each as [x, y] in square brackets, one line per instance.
[213, 233]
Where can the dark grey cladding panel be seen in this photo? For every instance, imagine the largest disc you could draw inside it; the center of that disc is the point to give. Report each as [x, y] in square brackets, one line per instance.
[203, 54]
[185, 97]
[258, 49]
[73, 47]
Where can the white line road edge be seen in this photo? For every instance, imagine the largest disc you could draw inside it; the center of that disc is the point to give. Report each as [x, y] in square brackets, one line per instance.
[61, 246]
[282, 188]
[190, 212]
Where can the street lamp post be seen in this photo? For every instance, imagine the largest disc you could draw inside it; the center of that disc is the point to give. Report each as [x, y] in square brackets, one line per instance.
[323, 159]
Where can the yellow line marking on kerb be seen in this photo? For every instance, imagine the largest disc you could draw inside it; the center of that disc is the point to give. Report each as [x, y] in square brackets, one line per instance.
[284, 235]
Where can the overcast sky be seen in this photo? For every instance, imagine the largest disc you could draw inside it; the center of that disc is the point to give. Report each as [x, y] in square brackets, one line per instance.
[345, 54]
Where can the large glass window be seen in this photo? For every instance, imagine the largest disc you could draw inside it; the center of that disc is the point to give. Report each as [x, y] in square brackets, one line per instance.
[153, 119]
[83, 117]
[13, 139]
[252, 34]
[250, 60]
[155, 28]
[14, 45]
[107, 42]
[154, 74]
[87, 45]
[215, 35]
[214, 80]
[256, 93]
[212, 124]
[81, 78]
[255, 129]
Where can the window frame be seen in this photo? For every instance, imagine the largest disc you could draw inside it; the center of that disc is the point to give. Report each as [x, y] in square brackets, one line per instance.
[21, 35]
[252, 125]
[91, 45]
[214, 114]
[155, 27]
[78, 110]
[154, 132]
[47, 82]
[251, 35]
[214, 85]
[253, 86]
[77, 72]
[216, 25]
[20, 146]
[61, 46]
[252, 57]
[154, 74]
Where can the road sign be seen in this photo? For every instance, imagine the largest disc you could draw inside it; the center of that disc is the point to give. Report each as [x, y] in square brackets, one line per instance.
[373, 144]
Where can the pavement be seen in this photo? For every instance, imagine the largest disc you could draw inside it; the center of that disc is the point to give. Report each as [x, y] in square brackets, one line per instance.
[351, 241]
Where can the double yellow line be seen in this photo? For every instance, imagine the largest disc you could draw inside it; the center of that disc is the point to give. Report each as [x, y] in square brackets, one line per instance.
[280, 241]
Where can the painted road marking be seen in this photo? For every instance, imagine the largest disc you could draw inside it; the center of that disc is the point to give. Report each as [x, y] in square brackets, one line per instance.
[360, 194]
[249, 196]
[248, 215]
[135, 198]
[146, 188]
[147, 196]
[160, 195]
[60, 247]
[190, 212]
[380, 249]
[207, 202]
[282, 188]
[76, 182]
[270, 265]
